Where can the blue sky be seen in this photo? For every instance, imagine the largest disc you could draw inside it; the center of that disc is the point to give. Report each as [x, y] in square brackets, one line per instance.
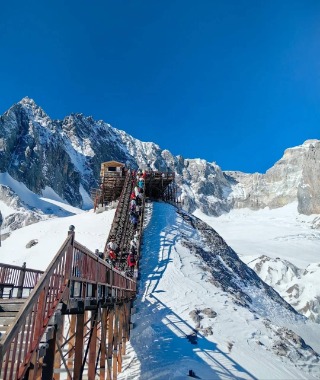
[235, 82]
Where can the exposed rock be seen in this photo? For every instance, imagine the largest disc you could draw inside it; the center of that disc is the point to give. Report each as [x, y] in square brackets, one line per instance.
[207, 331]
[226, 269]
[23, 216]
[309, 188]
[293, 177]
[297, 286]
[31, 243]
[209, 313]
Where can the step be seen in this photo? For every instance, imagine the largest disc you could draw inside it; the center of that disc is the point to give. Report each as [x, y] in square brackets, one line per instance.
[11, 304]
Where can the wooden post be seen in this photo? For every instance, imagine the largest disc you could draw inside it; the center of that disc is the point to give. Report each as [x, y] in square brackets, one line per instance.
[21, 280]
[93, 347]
[115, 344]
[103, 337]
[69, 260]
[126, 326]
[72, 341]
[78, 347]
[33, 369]
[47, 370]
[110, 341]
[120, 332]
[57, 357]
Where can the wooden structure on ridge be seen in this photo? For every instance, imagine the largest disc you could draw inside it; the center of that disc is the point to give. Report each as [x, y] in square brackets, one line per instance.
[112, 177]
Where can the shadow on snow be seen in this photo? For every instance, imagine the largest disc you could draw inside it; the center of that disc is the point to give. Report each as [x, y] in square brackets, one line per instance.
[167, 346]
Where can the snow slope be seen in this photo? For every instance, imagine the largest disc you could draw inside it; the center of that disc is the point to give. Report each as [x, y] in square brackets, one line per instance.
[281, 232]
[282, 246]
[227, 340]
[90, 230]
[184, 320]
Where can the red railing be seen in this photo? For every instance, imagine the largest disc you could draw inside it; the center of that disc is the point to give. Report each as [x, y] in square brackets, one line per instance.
[73, 263]
[18, 279]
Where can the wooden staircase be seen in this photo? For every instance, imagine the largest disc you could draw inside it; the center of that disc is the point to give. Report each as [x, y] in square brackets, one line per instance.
[79, 293]
[9, 309]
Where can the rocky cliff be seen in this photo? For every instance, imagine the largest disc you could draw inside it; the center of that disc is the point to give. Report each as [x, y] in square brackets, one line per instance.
[293, 177]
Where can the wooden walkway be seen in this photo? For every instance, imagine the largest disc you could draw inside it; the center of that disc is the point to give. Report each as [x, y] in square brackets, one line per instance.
[73, 320]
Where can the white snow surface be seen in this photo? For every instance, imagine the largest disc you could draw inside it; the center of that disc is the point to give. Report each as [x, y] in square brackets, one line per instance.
[283, 245]
[173, 283]
[281, 232]
[50, 203]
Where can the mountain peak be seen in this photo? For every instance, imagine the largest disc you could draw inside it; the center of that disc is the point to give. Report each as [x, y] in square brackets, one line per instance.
[32, 108]
[26, 100]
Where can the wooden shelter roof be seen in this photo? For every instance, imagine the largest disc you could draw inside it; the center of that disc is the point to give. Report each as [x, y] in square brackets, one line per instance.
[111, 163]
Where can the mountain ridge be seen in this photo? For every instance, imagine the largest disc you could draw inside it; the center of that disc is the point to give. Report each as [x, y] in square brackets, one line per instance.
[66, 156]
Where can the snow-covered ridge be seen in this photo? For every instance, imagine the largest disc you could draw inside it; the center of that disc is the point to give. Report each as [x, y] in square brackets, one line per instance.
[200, 302]
[66, 156]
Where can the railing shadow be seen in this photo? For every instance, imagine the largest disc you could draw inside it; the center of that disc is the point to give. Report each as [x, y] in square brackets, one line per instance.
[166, 345]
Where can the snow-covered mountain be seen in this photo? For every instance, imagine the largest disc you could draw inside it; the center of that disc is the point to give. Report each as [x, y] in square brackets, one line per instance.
[60, 160]
[199, 307]
[65, 155]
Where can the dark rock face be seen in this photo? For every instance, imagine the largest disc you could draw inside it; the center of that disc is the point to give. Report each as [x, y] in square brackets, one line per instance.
[63, 155]
[33, 152]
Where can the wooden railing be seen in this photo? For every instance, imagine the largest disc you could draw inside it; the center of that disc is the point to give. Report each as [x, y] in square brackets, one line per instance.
[18, 281]
[122, 203]
[73, 263]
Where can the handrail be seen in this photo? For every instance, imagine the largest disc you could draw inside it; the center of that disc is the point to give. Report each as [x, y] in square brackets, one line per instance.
[19, 277]
[23, 337]
[91, 269]
[119, 208]
[34, 316]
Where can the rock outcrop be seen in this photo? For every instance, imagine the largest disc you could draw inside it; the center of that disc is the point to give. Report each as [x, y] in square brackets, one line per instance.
[293, 177]
[309, 187]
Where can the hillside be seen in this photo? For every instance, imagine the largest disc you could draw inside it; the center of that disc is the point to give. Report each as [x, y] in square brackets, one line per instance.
[198, 308]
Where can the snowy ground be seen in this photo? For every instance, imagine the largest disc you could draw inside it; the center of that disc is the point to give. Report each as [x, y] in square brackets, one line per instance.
[282, 246]
[173, 283]
[281, 232]
[91, 230]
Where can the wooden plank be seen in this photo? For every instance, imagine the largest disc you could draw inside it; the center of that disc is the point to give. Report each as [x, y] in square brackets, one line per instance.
[6, 321]
[5, 314]
[13, 301]
[10, 306]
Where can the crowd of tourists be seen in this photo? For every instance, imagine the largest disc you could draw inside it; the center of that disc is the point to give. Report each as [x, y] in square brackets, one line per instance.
[113, 254]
